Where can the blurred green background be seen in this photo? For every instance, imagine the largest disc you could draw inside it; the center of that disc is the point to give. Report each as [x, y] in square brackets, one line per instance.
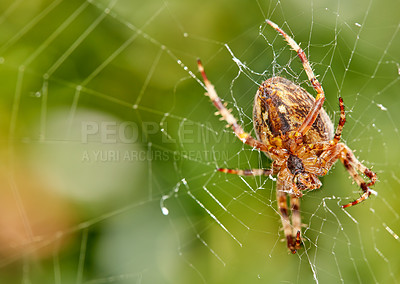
[109, 147]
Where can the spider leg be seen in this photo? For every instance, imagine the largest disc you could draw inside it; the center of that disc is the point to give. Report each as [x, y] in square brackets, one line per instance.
[352, 165]
[320, 98]
[251, 172]
[341, 123]
[283, 210]
[296, 220]
[338, 134]
[230, 119]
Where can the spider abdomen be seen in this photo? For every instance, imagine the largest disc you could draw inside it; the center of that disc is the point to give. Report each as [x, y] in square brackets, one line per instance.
[280, 106]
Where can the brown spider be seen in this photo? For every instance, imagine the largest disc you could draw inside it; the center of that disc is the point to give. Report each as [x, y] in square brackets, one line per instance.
[295, 132]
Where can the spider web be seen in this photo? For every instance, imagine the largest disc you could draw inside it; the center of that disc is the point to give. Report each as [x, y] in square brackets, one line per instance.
[110, 149]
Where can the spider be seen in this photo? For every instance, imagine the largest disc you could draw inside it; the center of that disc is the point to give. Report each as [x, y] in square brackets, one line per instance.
[295, 132]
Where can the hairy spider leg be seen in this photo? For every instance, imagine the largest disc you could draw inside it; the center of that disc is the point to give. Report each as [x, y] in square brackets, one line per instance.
[342, 121]
[281, 198]
[338, 134]
[320, 98]
[296, 220]
[297, 243]
[351, 164]
[250, 172]
[230, 119]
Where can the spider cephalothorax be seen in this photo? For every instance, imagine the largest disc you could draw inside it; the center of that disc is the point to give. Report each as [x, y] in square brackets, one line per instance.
[294, 131]
[301, 178]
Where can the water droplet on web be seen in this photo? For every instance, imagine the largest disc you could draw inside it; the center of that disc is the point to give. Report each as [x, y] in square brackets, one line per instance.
[165, 211]
[382, 107]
